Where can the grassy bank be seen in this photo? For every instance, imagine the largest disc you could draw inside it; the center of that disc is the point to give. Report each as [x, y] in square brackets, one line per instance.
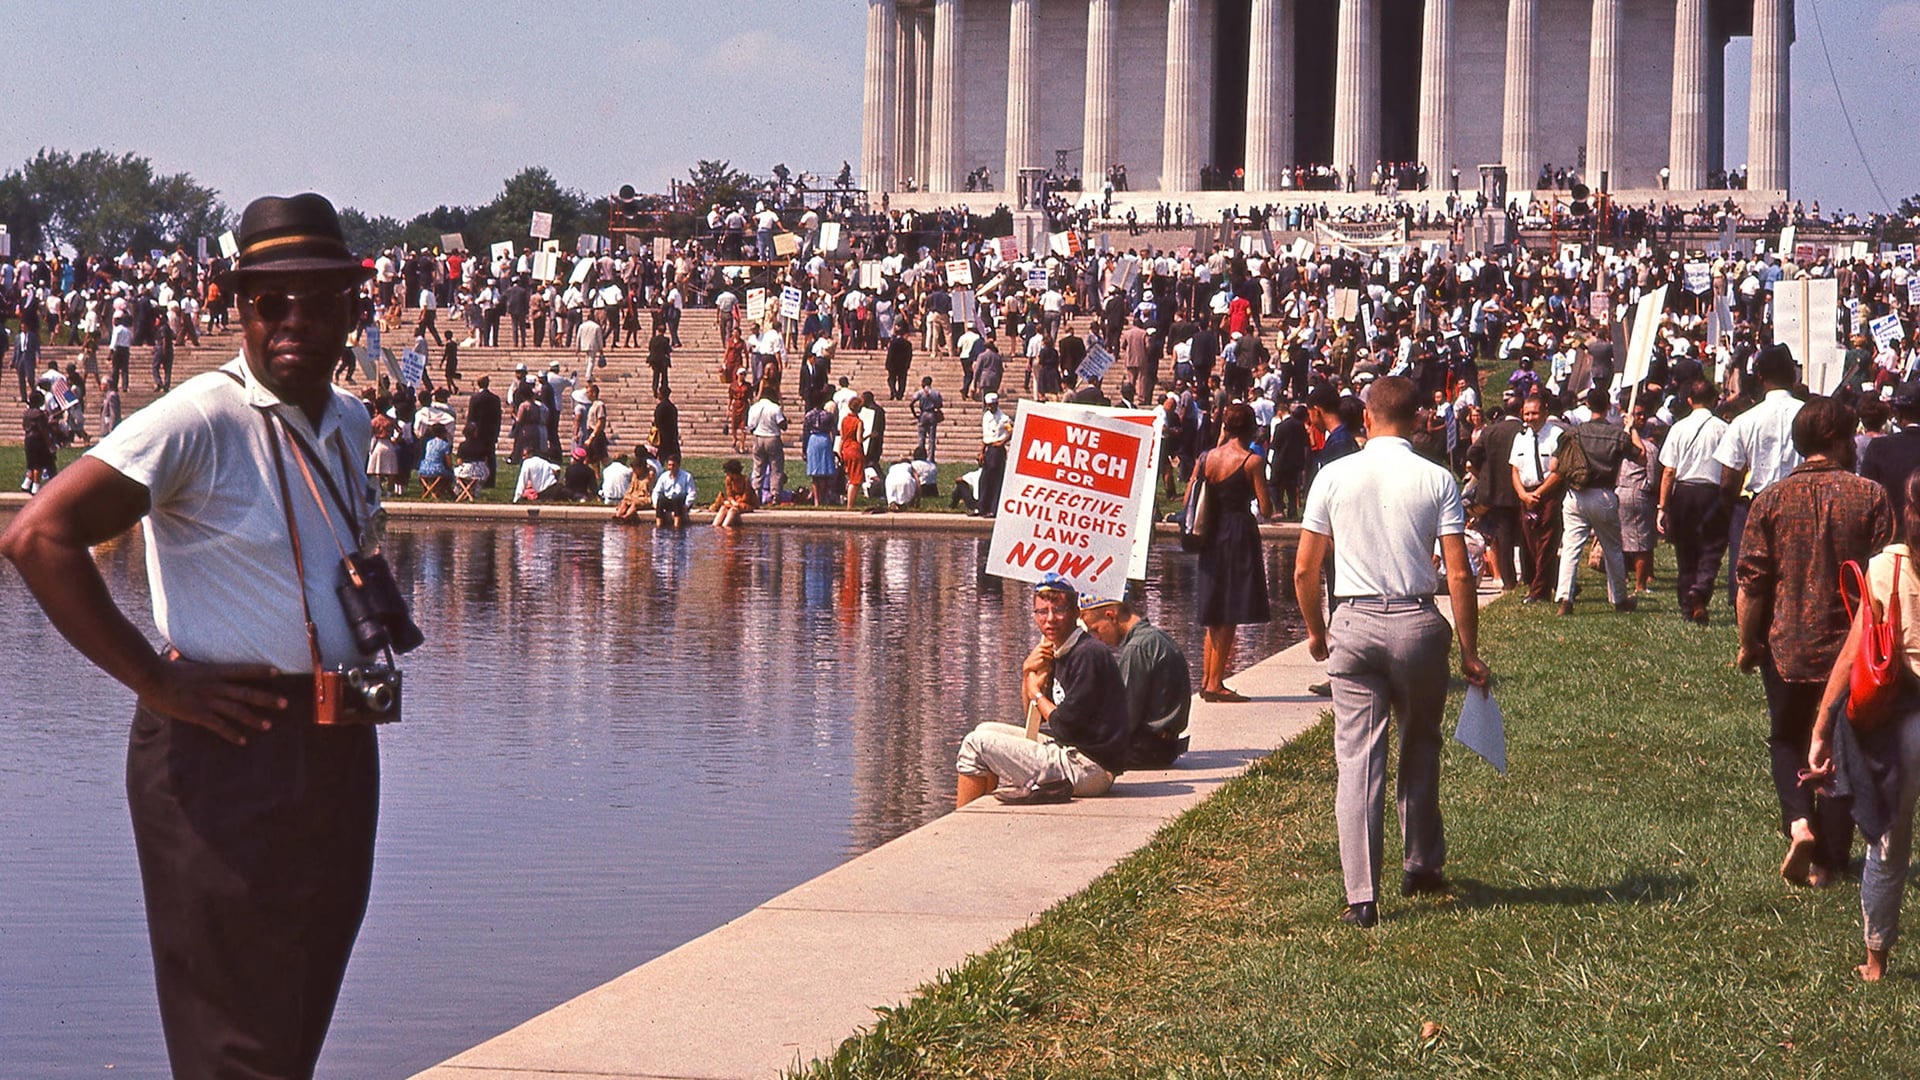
[1616, 909]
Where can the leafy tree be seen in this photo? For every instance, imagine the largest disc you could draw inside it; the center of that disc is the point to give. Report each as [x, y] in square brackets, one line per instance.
[710, 182]
[96, 201]
[368, 235]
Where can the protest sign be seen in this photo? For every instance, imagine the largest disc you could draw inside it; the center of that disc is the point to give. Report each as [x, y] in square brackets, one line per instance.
[1905, 251]
[1064, 244]
[580, 271]
[1786, 244]
[1646, 324]
[542, 226]
[501, 250]
[156, 255]
[413, 367]
[786, 245]
[1097, 361]
[6, 243]
[871, 277]
[1009, 248]
[1123, 272]
[1860, 249]
[1720, 321]
[1303, 249]
[959, 272]
[993, 283]
[1699, 278]
[1482, 729]
[1346, 304]
[546, 266]
[550, 245]
[1600, 305]
[966, 307]
[790, 302]
[756, 305]
[1887, 331]
[587, 244]
[1037, 278]
[449, 242]
[200, 246]
[1806, 312]
[1076, 480]
[1913, 291]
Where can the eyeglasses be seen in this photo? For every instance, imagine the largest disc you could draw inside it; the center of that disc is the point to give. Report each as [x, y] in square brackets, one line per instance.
[325, 303]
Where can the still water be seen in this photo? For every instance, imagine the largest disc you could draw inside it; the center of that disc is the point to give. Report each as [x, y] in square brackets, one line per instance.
[616, 740]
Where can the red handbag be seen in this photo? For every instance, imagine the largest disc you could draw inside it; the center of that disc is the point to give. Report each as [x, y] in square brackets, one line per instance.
[1874, 683]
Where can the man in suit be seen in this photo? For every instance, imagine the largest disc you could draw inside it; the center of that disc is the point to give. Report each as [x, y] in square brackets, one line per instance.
[1890, 459]
[483, 410]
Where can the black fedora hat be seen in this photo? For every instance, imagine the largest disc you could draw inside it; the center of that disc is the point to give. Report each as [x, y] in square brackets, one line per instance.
[292, 234]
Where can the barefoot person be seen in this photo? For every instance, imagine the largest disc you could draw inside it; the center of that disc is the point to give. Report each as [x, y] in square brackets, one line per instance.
[1380, 511]
[1894, 747]
[1071, 684]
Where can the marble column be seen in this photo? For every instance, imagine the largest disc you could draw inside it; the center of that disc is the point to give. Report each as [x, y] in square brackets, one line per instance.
[1517, 136]
[944, 168]
[1356, 90]
[1769, 116]
[1603, 90]
[879, 99]
[906, 99]
[1180, 121]
[1269, 94]
[1436, 90]
[1687, 145]
[1023, 95]
[1097, 133]
[923, 97]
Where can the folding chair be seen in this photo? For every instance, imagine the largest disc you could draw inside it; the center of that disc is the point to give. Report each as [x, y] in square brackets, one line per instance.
[465, 488]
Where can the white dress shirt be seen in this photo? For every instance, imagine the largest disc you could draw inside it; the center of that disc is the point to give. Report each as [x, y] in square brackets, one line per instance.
[1533, 452]
[1690, 447]
[1760, 441]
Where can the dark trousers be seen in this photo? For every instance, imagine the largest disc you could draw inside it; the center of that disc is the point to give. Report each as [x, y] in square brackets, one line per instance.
[427, 325]
[255, 861]
[1540, 550]
[1501, 527]
[1697, 522]
[1791, 708]
[1736, 526]
[993, 470]
[119, 374]
[659, 380]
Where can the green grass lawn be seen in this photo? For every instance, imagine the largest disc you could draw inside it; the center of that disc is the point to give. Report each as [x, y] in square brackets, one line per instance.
[1616, 909]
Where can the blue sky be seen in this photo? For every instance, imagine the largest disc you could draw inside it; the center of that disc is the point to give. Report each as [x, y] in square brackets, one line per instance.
[395, 108]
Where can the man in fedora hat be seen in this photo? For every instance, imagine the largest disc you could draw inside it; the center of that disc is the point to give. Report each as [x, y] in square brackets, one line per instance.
[254, 825]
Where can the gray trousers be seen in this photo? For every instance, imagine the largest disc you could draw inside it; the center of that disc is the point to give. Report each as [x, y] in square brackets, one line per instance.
[1388, 662]
[769, 467]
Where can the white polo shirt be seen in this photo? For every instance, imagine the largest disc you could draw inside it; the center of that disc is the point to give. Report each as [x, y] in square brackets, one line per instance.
[219, 561]
[1384, 507]
[1760, 440]
[1690, 447]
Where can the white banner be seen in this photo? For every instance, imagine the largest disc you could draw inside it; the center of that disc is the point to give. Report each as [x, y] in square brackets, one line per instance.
[1806, 319]
[1078, 496]
[413, 368]
[542, 226]
[1699, 278]
[959, 272]
[790, 302]
[831, 240]
[229, 247]
[756, 305]
[871, 277]
[1646, 324]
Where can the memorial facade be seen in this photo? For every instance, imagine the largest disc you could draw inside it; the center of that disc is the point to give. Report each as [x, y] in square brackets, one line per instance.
[1619, 90]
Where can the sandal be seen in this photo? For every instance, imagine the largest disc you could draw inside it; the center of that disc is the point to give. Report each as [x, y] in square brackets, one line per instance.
[1224, 695]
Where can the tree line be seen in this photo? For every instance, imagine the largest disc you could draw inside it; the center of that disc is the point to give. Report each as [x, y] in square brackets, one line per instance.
[100, 202]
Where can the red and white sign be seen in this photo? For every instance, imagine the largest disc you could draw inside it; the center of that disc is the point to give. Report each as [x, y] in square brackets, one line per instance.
[1078, 496]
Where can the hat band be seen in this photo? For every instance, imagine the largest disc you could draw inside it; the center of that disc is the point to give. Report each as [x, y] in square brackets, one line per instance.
[259, 246]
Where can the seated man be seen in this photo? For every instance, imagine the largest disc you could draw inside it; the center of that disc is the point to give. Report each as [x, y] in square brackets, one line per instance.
[1071, 683]
[639, 493]
[672, 494]
[615, 480]
[537, 478]
[579, 484]
[1159, 686]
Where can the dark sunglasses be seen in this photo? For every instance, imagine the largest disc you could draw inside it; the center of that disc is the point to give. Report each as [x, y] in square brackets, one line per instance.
[275, 306]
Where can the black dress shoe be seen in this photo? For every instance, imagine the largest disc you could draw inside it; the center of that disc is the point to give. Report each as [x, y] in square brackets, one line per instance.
[1363, 915]
[1427, 882]
[1042, 794]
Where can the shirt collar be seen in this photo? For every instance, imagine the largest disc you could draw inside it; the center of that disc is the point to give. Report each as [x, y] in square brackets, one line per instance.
[1389, 442]
[1073, 639]
[259, 397]
[1776, 395]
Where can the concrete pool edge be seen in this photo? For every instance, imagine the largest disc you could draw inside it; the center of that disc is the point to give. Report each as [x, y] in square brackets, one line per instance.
[790, 980]
[904, 521]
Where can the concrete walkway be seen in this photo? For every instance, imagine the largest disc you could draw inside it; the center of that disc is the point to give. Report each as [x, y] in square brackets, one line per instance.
[788, 981]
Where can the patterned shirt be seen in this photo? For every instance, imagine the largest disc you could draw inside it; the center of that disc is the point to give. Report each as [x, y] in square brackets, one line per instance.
[1799, 532]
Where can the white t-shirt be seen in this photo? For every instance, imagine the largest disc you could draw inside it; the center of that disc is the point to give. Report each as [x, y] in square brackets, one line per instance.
[1384, 507]
[764, 419]
[219, 561]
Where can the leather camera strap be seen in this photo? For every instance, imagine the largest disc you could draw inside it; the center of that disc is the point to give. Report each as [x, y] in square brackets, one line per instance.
[299, 562]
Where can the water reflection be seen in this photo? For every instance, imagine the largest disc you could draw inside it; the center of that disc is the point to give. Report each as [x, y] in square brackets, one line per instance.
[617, 739]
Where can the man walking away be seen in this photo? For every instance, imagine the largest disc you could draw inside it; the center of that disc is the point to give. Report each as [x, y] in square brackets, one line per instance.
[1381, 511]
[1693, 511]
[1591, 509]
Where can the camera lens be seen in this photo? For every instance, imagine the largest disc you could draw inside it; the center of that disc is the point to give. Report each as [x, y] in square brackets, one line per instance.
[379, 696]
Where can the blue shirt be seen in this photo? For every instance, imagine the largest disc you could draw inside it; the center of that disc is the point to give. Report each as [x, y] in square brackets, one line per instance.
[433, 460]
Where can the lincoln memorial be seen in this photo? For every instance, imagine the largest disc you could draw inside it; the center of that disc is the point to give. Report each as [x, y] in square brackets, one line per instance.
[1631, 94]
